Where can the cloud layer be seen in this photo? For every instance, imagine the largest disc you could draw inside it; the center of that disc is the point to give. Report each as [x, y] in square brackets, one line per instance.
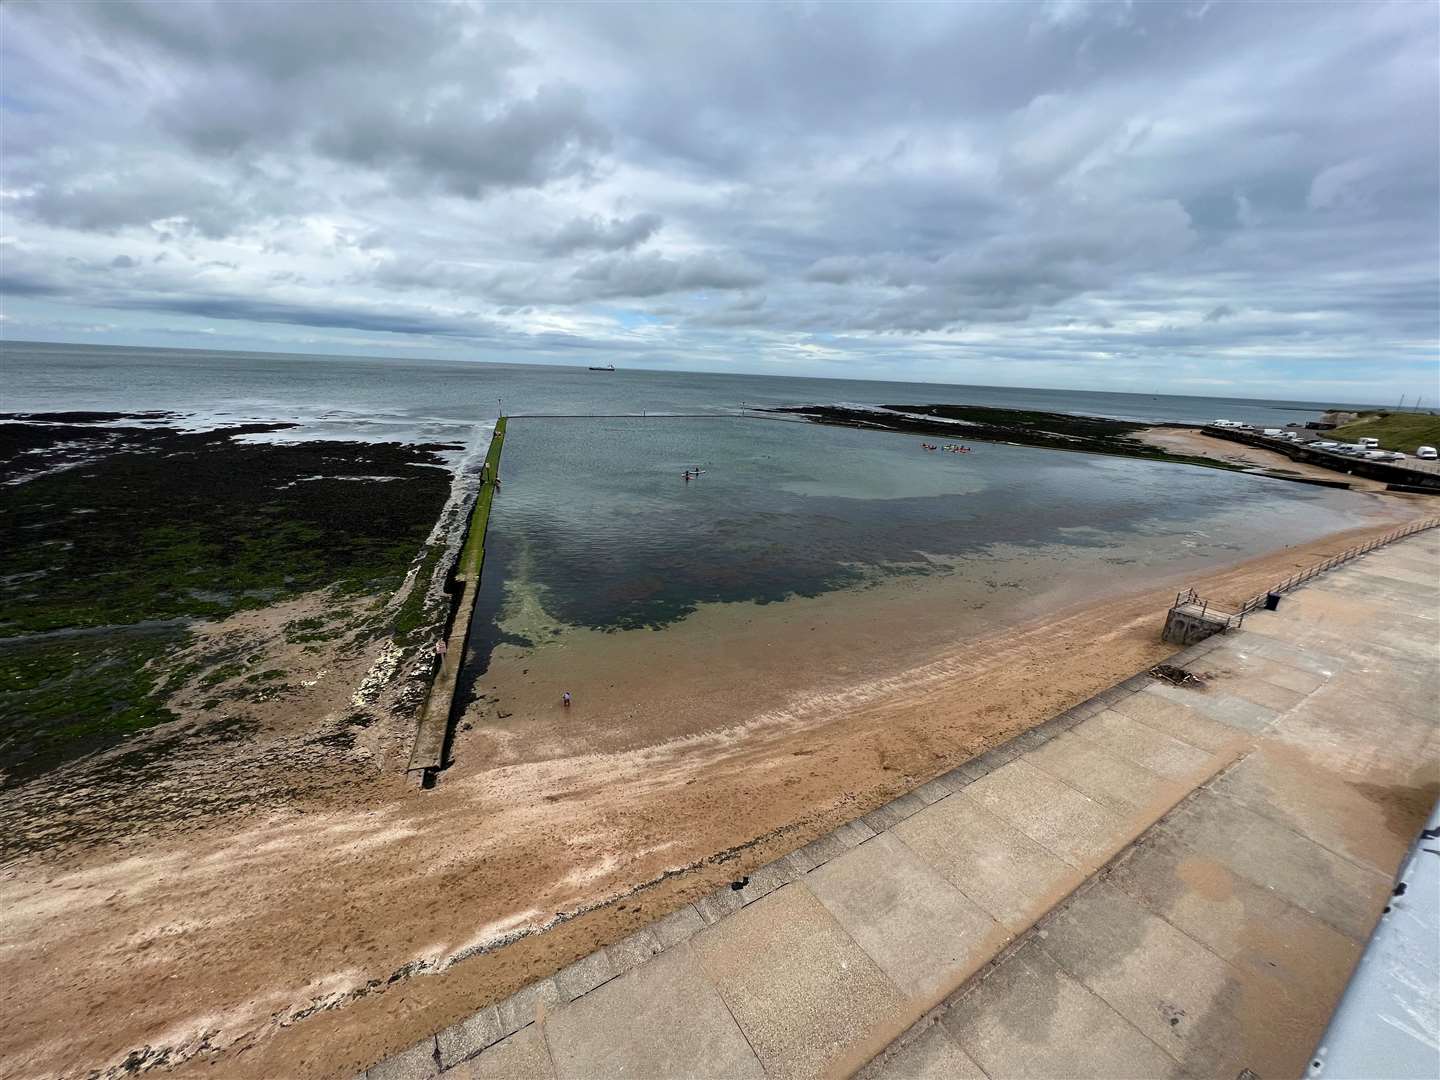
[1229, 198]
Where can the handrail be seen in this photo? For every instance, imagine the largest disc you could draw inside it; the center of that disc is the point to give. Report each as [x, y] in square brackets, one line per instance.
[1191, 597]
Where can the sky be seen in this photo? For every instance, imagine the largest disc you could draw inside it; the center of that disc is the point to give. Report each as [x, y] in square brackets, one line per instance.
[1188, 197]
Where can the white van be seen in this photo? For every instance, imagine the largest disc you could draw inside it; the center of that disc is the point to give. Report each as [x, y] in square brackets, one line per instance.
[1273, 432]
[1426, 453]
[1368, 443]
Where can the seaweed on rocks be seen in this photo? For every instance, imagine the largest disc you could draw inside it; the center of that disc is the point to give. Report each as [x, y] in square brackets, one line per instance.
[118, 538]
[1024, 427]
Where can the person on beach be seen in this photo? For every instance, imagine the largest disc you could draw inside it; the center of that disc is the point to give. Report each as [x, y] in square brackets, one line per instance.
[565, 699]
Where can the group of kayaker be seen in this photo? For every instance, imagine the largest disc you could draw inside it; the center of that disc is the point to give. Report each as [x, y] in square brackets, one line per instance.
[949, 448]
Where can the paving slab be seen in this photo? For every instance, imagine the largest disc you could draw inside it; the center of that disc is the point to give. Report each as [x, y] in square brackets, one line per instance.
[933, 1055]
[1261, 692]
[634, 950]
[525, 1005]
[468, 1037]
[1345, 895]
[804, 993]
[1291, 966]
[1111, 781]
[415, 1063]
[924, 933]
[1215, 703]
[1178, 721]
[665, 1020]
[1029, 1018]
[584, 975]
[1260, 638]
[1346, 731]
[1145, 746]
[680, 925]
[767, 879]
[716, 905]
[934, 791]
[521, 1056]
[1354, 819]
[1051, 812]
[1235, 659]
[1178, 993]
[813, 854]
[1008, 874]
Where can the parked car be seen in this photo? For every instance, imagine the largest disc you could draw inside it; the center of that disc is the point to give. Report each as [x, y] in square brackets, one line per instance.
[1368, 443]
[1272, 432]
[1394, 455]
[1291, 435]
[1325, 445]
[1375, 455]
[1426, 453]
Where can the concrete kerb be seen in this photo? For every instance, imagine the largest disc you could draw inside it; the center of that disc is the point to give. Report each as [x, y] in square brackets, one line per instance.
[475, 1034]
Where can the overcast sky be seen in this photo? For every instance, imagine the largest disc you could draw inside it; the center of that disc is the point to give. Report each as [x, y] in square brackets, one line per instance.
[1234, 198]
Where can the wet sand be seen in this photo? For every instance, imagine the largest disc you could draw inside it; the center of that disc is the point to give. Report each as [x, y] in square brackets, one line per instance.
[315, 941]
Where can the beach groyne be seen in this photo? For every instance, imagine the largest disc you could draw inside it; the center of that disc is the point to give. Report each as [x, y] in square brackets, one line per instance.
[432, 734]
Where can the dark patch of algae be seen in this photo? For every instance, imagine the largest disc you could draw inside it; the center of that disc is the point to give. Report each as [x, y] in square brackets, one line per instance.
[116, 537]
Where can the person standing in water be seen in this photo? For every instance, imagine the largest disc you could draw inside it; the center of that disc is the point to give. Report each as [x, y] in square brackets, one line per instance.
[565, 699]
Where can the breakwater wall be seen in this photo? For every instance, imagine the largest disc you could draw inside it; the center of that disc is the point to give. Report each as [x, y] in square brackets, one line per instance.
[432, 733]
[1412, 480]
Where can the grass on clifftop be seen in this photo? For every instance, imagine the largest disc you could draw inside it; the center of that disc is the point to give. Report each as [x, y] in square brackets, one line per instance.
[1396, 431]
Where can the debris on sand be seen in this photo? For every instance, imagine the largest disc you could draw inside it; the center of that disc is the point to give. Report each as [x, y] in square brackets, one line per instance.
[1177, 676]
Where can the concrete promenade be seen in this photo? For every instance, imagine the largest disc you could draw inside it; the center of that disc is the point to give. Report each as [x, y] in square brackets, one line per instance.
[1163, 881]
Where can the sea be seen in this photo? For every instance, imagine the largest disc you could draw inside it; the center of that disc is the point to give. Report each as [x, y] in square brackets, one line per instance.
[598, 528]
[385, 398]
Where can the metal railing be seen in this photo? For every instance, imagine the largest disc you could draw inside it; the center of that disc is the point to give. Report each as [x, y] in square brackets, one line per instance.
[1190, 598]
[1335, 560]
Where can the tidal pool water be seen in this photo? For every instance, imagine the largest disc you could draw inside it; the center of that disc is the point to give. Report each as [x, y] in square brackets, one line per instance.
[596, 526]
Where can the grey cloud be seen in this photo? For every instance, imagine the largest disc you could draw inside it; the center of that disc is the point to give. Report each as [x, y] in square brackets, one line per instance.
[615, 276]
[1083, 178]
[391, 320]
[593, 232]
[524, 143]
[109, 197]
[836, 269]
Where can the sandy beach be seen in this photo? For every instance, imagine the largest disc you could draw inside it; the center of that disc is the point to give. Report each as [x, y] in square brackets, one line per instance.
[1192, 441]
[318, 938]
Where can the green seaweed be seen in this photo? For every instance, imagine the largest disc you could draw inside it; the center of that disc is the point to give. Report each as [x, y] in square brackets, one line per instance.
[113, 551]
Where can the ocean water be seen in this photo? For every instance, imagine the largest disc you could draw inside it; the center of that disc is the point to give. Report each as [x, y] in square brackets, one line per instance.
[358, 397]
